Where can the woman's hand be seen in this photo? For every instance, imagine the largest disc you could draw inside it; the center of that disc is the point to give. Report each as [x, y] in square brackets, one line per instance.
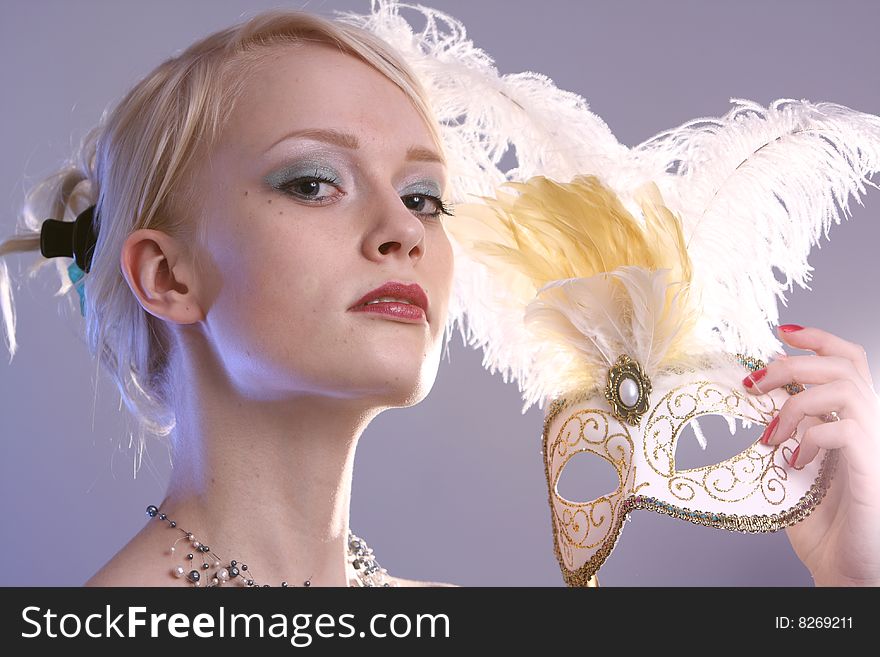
[839, 542]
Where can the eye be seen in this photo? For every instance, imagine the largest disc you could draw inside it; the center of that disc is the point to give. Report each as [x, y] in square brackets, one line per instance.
[426, 205]
[311, 188]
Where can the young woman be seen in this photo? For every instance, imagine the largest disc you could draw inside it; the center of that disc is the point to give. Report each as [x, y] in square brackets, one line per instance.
[273, 270]
[255, 194]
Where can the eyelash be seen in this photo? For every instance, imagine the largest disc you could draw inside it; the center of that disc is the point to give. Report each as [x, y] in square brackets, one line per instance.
[444, 208]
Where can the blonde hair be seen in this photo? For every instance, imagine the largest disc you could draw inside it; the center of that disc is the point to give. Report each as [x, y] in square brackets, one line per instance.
[133, 165]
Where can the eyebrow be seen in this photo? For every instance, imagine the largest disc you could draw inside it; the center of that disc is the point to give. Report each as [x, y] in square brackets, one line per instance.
[348, 140]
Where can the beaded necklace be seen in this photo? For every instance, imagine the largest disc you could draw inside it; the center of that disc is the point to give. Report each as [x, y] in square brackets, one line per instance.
[214, 571]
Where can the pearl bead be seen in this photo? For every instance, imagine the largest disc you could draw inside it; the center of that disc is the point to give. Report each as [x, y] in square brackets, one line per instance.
[179, 571]
[152, 511]
[196, 544]
[215, 581]
[216, 564]
[628, 391]
[223, 574]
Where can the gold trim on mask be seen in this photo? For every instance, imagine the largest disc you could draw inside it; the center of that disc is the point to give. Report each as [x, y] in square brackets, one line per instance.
[624, 370]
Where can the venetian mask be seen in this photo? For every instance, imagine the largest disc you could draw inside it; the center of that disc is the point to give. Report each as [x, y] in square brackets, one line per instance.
[624, 352]
[635, 425]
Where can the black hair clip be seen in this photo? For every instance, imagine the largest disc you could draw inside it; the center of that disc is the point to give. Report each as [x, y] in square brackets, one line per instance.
[73, 239]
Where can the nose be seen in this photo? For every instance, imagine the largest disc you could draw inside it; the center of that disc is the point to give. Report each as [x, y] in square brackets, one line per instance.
[395, 230]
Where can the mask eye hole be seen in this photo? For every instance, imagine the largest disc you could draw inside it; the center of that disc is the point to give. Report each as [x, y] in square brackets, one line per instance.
[721, 445]
[586, 477]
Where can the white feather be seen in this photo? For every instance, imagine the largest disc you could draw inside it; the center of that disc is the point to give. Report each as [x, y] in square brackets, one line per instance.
[586, 313]
[756, 189]
[654, 323]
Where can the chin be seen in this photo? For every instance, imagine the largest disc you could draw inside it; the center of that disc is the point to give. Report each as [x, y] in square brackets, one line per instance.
[416, 394]
[406, 388]
[398, 378]
[402, 392]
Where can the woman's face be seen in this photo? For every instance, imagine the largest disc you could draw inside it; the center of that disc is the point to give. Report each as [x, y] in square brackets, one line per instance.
[318, 193]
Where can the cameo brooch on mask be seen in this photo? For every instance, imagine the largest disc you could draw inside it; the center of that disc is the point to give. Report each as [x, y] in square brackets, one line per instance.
[627, 390]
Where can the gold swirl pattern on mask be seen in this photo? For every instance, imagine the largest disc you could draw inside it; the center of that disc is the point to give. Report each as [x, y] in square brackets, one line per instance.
[566, 444]
[686, 402]
[732, 480]
[585, 525]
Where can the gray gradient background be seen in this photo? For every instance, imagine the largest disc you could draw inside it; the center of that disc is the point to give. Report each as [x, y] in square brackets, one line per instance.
[453, 488]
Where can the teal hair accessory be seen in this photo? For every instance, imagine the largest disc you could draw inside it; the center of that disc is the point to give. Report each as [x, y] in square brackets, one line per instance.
[76, 275]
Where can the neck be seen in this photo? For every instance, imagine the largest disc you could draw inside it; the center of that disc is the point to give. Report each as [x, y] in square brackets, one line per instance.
[267, 483]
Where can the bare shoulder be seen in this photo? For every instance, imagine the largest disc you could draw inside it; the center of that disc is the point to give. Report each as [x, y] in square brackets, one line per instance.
[415, 582]
[139, 563]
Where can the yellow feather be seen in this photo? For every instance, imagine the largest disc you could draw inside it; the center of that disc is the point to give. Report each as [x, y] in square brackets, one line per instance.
[550, 230]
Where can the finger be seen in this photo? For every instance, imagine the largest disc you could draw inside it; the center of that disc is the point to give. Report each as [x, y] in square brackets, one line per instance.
[804, 369]
[824, 343]
[842, 396]
[800, 429]
[860, 454]
[825, 435]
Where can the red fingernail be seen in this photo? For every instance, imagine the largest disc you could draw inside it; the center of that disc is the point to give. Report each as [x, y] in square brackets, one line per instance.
[769, 429]
[794, 456]
[754, 376]
[790, 328]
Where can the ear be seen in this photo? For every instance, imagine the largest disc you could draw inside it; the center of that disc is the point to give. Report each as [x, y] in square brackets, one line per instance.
[160, 272]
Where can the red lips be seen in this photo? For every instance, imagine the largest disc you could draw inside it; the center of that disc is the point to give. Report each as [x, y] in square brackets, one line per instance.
[408, 292]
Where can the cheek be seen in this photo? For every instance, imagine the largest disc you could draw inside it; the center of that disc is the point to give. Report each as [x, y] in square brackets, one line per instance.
[290, 291]
[276, 297]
